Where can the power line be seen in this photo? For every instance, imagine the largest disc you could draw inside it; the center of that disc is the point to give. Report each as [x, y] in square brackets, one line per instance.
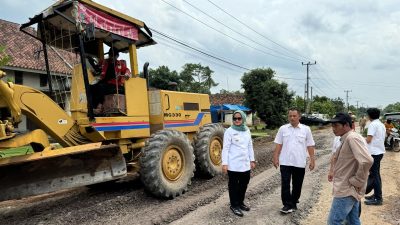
[318, 89]
[199, 50]
[243, 43]
[267, 38]
[330, 82]
[233, 30]
[186, 51]
[289, 78]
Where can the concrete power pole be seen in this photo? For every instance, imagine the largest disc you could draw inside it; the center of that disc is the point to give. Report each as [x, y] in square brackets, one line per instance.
[305, 98]
[357, 108]
[311, 98]
[347, 98]
[308, 84]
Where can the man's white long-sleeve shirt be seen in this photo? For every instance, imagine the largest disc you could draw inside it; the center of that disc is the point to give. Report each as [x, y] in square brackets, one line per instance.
[237, 152]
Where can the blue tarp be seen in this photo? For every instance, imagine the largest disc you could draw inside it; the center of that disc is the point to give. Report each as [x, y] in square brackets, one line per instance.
[215, 108]
[235, 107]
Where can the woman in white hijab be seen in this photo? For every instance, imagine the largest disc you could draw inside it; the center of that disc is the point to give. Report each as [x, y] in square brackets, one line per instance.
[237, 161]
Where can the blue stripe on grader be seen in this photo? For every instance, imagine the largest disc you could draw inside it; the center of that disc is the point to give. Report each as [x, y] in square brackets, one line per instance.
[195, 123]
[114, 128]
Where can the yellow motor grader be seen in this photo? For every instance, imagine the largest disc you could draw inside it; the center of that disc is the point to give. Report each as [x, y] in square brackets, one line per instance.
[163, 135]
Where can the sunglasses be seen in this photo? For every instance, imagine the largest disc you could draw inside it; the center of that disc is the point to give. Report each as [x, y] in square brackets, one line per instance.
[237, 118]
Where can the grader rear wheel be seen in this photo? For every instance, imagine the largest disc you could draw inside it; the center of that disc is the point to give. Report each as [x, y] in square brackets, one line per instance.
[208, 149]
[167, 164]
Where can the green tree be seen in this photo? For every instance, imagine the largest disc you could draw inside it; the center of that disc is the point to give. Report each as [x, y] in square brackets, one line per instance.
[298, 102]
[223, 91]
[162, 77]
[338, 105]
[4, 58]
[395, 107]
[323, 105]
[196, 78]
[266, 96]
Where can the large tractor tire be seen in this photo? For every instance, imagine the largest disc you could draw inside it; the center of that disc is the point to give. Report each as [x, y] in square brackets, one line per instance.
[208, 149]
[167, 164]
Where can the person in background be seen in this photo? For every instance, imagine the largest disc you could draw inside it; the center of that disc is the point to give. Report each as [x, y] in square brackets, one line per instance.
[376, 145]
[353, 119]
[294, 142]
[238, 161]
[388, 126]
[335, 145]
[351, 163]
[362, 123]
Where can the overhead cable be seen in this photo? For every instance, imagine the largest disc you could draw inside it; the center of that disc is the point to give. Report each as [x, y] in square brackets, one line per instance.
[262, 35]
[199, 50]
[245, 36]
[235, 39]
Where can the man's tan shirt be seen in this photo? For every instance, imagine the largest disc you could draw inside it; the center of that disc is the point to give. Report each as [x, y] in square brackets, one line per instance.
[352, 164]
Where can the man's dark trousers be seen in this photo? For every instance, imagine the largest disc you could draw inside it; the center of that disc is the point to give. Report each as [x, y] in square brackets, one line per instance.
[237, 185]
[296, 175]
[374, 173]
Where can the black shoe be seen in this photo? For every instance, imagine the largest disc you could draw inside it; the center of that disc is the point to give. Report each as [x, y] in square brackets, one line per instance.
[286, 209]
[244, 207]
[373, 202]
[369, 197]
[236, 211]
[294, 208]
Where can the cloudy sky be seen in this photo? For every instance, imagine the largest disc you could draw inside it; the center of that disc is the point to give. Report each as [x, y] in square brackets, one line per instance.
[356, 44]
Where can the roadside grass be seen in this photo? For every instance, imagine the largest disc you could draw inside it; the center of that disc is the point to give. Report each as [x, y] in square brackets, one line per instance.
[260, 131]
[315, 128]
[24, 150]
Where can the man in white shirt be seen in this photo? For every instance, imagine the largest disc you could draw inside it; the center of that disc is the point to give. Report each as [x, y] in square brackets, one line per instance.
[294, 142]
[375, 138]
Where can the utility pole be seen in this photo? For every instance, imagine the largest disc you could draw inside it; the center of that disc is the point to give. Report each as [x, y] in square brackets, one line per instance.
[311, 97]
[305, 98]
[347, 98]
[227, 84]
[308, 79]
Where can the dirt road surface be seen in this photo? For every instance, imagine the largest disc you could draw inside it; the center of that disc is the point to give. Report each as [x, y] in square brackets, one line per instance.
[207, 200]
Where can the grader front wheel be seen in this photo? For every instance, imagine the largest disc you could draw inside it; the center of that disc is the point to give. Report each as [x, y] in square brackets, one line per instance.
[167, 164]
[173, 163]
[208, 149]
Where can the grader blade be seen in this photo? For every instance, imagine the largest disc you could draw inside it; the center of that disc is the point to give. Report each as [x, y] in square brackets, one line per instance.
[53, 170]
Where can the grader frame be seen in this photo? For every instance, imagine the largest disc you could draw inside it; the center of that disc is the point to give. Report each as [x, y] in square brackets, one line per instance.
[161, 134]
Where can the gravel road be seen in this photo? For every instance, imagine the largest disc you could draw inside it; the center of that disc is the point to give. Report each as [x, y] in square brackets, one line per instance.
[205, 203]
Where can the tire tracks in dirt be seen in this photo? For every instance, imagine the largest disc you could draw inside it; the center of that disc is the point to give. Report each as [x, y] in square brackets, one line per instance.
[126, 202]
[264, 198]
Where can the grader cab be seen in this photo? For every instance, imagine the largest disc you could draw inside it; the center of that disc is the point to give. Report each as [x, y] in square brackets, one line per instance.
[163, 135]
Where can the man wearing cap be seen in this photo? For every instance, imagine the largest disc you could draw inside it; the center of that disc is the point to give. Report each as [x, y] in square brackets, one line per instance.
[376, 145]
[294, 142]
[350, 172]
